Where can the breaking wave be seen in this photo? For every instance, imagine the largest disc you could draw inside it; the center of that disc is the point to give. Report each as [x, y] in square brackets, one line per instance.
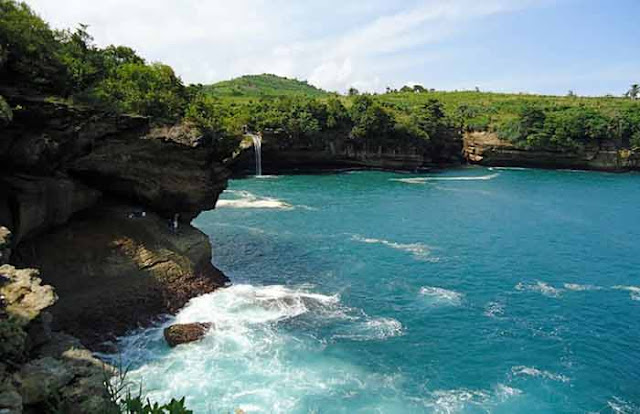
[245, 199]
[422, 180]
[634, 291]
[252, 347]
[535, 372]
[540, 287]
[580, 288]
[442, 296]
[494, 310]
[418, 250]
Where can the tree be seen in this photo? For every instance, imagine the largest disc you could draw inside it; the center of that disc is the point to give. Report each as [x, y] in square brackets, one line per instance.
[371, 121]
[353, 92]
[633, 92]
[30, 50]
[419, 89]
[150, 90]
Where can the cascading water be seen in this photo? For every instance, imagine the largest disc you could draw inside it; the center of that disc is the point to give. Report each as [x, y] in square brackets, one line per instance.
[257, 147]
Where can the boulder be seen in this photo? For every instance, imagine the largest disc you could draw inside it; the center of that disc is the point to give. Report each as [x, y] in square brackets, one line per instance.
[184, 333]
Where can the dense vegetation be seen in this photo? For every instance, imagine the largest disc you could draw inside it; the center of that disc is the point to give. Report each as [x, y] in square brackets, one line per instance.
[265, 85]
[67, 63]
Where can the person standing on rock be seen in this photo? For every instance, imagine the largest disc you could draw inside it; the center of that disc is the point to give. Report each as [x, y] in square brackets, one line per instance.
[175, 222]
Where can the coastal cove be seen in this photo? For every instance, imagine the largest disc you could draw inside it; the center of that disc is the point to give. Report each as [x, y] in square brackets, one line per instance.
[471, 290]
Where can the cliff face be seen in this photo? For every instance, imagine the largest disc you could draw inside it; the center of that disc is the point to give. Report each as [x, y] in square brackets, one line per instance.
[89, 197]
[337, 152]
[486, 148]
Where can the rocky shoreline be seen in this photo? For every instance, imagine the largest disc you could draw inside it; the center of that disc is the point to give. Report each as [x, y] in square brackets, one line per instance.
[101, 205]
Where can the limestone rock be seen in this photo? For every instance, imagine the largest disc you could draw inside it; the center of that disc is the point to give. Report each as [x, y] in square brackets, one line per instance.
[41, 378]
[184, 333]
[114, 270]
[5, 245]
[169, 174]
[486, 148]
[41, 203]
[23, 293]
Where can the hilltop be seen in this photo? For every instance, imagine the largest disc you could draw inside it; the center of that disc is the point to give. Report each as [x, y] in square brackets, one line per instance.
[265, 85]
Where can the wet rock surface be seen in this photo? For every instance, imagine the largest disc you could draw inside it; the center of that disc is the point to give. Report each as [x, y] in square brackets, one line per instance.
[185, 333]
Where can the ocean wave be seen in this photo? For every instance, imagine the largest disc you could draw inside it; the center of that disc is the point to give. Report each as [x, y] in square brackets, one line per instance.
[248, 304]
[373, 329]
[245, 199]
[442, 296]
[522, 370]
[540, 287]
[580, 288]
[422, 180]
[634, 291]
[418, 250]
[451, 401]
[620, 406]
[494, 309]
[509, 168]
[464, 399]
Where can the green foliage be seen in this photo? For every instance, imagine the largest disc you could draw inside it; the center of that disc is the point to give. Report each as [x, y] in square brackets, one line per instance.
[30, 49]
[265, 85]
[219, 124]
[371, 122]
[67, 63]
[135, 405]
[151, 90]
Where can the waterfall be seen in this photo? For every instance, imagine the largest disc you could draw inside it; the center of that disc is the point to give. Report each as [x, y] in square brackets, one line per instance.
[257, 147]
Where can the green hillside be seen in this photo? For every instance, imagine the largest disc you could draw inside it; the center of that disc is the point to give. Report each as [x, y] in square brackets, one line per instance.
[265, 85]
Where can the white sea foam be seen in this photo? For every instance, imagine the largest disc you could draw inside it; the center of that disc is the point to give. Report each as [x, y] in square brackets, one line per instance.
[453, 401]
[251, 349]
[494, 309]
[522, 370]
[469, 400]
[419, 251]
[580, 288]
[422, 180]
[245, 199]
[372, 329]
[634, 291]
[509, 168]
[540, 287]
[620, 406]
[442, 296]
[504, 391]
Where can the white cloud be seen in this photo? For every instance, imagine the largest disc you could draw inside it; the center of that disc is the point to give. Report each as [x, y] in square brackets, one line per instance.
[334, 44]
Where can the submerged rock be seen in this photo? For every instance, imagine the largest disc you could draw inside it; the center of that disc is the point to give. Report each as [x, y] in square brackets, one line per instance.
[185, 333]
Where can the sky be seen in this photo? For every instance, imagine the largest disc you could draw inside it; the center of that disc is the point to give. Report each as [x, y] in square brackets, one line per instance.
[536, 46]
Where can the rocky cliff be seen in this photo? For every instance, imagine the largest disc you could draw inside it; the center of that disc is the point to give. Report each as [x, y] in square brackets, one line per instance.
[101, 205]
[91, 197]
[338, 152]
[485, 148]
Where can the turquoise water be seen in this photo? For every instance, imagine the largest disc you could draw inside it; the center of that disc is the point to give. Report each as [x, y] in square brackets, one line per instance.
[473, 290]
